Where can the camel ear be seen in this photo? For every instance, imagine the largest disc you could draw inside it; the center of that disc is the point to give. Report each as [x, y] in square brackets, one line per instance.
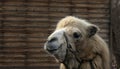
[92, 30]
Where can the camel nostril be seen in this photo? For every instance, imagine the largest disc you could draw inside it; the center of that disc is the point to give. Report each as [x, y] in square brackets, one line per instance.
[52, 39]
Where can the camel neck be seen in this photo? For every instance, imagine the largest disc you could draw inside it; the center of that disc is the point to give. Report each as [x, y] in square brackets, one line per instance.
[70, 61]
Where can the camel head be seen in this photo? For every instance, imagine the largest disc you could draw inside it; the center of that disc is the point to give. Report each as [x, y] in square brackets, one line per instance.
[71, 33]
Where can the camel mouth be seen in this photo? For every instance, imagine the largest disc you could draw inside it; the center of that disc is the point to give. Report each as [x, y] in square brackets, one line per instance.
[52, 51]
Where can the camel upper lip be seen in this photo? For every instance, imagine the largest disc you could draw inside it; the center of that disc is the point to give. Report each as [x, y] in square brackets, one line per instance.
[53, 50]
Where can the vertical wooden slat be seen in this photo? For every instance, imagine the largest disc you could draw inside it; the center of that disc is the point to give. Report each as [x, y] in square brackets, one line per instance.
[2, 33]
[115, 20]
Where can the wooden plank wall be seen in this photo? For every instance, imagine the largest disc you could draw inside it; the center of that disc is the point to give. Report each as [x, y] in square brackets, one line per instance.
[26, 24]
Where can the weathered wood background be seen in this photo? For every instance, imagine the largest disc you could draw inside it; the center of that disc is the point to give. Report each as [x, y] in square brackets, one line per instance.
[25, 25]
[115, 29]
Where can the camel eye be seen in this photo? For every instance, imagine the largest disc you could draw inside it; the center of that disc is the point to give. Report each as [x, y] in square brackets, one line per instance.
[76, 35]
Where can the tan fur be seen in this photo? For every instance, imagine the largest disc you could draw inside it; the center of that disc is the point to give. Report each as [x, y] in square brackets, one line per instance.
[87, 48]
